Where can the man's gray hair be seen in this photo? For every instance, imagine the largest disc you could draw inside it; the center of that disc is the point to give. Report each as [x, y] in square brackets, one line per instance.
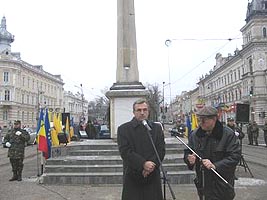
[140, 101]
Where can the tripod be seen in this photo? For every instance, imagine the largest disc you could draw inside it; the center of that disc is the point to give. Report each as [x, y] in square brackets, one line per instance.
[243, 163]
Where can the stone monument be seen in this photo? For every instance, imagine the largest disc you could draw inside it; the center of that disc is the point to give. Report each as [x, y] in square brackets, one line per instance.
[127, 88]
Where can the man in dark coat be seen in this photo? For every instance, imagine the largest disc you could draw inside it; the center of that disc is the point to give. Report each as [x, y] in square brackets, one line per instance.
[141, 168]
[15, 141]
[219, 149]
[238, 132]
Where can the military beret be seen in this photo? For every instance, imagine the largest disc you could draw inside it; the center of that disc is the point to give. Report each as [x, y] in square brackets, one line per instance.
[207, 111]
[17, 122]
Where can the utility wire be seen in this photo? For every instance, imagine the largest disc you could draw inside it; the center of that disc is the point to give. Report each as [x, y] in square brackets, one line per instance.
[195, 39]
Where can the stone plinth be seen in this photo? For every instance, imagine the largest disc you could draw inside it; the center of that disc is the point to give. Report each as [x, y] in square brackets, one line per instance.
[121, 99]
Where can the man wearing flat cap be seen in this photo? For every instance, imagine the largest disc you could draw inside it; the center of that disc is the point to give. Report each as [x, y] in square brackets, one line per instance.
[15, 142]
[219, 149]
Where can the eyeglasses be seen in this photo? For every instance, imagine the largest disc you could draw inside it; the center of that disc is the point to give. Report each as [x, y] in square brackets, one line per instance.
[140, 110]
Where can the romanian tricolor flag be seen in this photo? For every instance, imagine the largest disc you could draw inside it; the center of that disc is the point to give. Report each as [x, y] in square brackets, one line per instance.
[43, 144]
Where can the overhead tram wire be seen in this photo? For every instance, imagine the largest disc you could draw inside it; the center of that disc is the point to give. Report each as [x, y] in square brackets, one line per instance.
[184, 75]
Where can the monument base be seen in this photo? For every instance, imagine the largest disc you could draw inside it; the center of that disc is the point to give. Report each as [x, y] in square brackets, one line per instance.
[121, 98]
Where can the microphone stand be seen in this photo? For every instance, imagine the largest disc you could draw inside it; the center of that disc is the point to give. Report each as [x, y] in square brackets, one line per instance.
[165, 180]
[225, 181]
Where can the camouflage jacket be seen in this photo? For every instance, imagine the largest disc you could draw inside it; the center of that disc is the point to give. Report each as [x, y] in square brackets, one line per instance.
[16, 150]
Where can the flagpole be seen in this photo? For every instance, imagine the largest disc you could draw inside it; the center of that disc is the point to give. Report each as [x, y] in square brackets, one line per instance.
[37, 156]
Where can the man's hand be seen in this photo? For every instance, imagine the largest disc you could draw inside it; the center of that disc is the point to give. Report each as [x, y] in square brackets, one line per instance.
[18, 133]
[149, 166]
[208, 164]
[192, 159]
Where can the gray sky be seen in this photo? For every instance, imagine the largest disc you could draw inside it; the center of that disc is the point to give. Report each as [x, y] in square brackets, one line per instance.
[78, 39]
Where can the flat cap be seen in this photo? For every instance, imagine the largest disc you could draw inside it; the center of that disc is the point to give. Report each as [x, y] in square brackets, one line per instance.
[17, 122]
[207, 111]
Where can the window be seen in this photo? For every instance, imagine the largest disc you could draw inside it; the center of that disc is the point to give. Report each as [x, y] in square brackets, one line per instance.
[250, 65]
[264, 32]
[7, 95]
[28, 84]
[23, 81]
[5, 115]
[22, 98]
[6, 77]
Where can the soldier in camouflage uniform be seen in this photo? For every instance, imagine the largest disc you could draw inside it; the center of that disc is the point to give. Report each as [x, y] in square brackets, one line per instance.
[255, 132]
[15, 141]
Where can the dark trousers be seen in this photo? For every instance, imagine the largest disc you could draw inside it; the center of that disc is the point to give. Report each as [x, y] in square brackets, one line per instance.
[250, 138]
[17, 165]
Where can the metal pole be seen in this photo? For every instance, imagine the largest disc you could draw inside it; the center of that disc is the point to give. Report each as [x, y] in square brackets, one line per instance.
[168, 43]
[201, 159]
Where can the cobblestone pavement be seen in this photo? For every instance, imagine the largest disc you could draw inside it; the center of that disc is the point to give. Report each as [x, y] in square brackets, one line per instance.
[247, 188]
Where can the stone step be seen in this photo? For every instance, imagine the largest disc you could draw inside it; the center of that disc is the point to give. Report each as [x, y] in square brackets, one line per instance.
[104, 168]
[102, 160]
[101, 152]
[99, 162]
[180, 177]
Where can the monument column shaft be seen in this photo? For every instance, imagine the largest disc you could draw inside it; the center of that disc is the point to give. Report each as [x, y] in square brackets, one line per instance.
[127, 68]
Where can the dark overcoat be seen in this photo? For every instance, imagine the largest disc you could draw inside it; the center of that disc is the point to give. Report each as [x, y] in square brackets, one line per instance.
[136, 148]
[223, 150]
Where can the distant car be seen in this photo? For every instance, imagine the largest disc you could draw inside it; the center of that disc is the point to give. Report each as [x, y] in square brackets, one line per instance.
[32, 133]
[103, 132]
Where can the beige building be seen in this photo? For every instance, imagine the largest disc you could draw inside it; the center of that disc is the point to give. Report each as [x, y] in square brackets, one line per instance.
[24, 88]
[240, 78]
[76, 105]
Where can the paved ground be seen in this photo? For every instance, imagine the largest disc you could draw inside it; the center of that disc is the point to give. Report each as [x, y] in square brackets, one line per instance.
[247, 188]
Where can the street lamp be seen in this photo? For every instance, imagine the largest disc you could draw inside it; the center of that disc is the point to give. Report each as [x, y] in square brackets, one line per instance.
[168, 44]
[163, 107]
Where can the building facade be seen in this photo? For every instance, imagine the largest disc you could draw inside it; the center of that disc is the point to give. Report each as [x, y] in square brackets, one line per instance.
[24, 88]
[77, 106]
[238, 79]
[241, 78]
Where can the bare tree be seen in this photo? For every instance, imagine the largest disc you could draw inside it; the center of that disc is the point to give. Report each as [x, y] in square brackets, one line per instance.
[154, 100]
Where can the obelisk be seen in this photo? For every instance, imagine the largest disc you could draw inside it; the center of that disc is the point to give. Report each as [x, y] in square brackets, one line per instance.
[127, 88]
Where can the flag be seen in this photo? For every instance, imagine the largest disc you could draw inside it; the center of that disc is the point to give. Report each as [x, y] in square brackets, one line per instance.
[56, 124]
[41, 119]
[194, 124]
[71, 128]
[42, 140]
[188, 125]
[67, 128]
[54, 132]
[48, 135]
